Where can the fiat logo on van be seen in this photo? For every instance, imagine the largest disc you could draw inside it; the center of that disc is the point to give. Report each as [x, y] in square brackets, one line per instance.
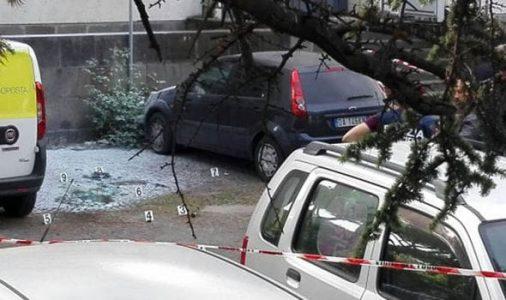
[11, 135]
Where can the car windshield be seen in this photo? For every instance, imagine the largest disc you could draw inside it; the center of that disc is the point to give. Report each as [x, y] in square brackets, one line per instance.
[494, 238]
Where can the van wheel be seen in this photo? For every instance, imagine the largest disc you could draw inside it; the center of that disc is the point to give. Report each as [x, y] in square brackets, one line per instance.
[159, 132]
[19, 206]
[268, 158]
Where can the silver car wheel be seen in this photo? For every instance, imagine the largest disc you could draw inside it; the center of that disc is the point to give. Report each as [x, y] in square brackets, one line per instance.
[268, 160]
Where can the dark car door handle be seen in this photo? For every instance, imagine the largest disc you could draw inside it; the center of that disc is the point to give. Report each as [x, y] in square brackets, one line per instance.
[292, 274]
[257, 108]
[293, 278]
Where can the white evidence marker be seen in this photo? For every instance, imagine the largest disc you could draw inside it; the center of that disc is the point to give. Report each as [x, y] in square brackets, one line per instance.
[47, 219]
[63, 177]
[181, 210]
[215, 172]
[138, 191]
[148, 215]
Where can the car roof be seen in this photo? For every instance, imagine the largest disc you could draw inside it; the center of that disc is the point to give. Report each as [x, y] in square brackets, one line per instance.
[116, 270]
[17, 46]
[299, 59]
[489, 207]
[22, 47]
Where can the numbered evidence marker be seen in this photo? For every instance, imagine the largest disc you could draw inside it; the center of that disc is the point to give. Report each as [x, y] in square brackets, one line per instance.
[63, 177]
[215, 172]
[148, 215]
[138, 191]
[47, 219]
[181, 210]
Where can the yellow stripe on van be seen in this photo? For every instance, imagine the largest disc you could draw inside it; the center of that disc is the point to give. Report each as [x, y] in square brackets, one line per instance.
[17, 87]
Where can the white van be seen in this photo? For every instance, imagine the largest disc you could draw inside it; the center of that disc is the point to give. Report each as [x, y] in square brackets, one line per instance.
[22, 129]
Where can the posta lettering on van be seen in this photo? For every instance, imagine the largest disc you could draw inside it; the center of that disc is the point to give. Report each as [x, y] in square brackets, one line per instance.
[19, 90]
[17, 87]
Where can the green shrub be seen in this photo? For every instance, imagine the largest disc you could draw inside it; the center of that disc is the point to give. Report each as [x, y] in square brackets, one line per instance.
[115, 104]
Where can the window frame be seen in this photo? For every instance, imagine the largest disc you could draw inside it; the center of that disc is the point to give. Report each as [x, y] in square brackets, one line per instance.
[238, 67]
[301, 217]
[488, 250]
[384, 239]
[220, 64]
[287, 177]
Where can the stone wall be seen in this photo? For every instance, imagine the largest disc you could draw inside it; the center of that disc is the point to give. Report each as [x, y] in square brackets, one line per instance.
[62, 58]
[44, 12]
[65, 28]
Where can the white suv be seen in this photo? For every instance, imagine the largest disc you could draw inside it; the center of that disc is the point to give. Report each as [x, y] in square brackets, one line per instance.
[321, 206]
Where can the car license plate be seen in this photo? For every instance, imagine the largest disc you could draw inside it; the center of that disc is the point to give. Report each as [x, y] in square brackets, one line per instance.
[349, 121]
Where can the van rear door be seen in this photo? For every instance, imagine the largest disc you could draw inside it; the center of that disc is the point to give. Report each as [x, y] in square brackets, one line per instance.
[18, 112]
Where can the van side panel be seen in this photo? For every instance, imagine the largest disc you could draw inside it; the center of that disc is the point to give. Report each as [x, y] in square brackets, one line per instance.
[17, 87]
[18, 108]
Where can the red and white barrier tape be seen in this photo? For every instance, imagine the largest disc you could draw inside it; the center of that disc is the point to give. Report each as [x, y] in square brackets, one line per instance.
[407, 65]
[312, 257]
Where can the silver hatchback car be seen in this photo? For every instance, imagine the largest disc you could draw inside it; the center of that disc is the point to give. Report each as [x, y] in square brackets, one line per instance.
[112, 270]
[321, 206]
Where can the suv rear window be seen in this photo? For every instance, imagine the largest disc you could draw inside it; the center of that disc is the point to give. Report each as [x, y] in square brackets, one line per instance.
[415, 242]
[494, 238]
[280, 206]
[337, 85]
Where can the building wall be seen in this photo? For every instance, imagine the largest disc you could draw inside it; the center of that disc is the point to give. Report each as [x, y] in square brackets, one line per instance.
[91, 11]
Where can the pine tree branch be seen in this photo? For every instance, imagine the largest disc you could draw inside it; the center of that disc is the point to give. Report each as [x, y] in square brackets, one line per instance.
[147, 26]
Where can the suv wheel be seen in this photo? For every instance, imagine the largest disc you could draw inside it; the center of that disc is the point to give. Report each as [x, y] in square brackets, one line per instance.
[268, 158]
[19, 206]
[161, 142]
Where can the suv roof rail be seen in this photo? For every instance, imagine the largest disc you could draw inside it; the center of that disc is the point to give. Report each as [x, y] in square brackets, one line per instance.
[319, 148]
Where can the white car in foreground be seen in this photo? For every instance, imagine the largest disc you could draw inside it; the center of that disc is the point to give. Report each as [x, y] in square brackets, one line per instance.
[323, 206]
[112, 270]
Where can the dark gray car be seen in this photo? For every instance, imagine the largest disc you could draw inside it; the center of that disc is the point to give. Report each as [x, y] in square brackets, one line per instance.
[244, 111]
